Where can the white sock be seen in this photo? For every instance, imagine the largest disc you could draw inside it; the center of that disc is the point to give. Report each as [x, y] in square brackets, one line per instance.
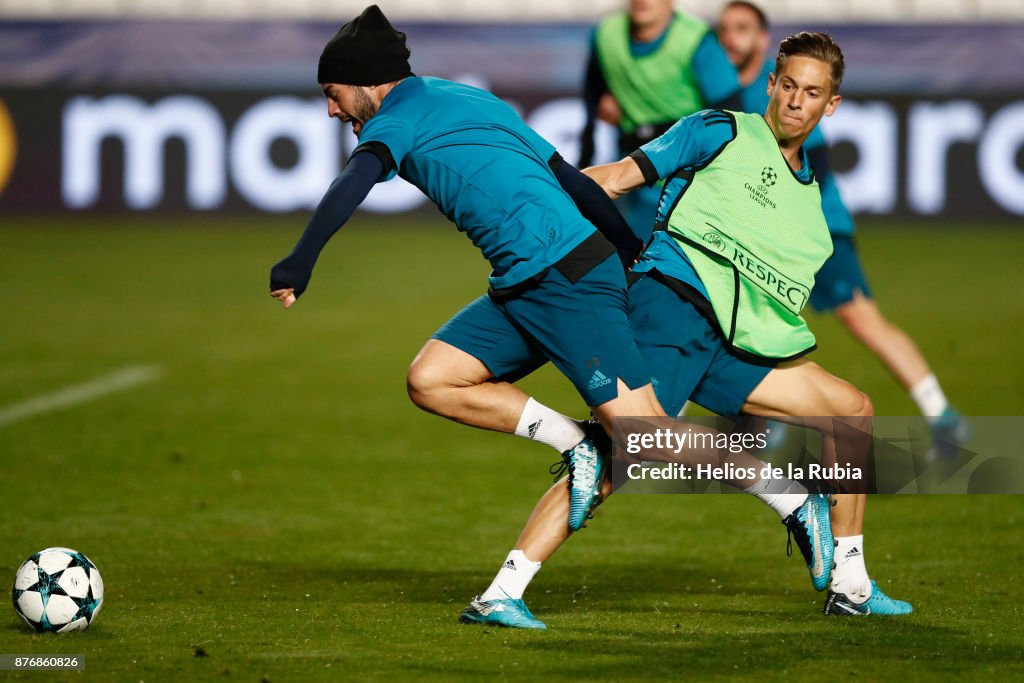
[540, 423]
[513, 578]
[929, 397]
[850, 576]
[782, 495]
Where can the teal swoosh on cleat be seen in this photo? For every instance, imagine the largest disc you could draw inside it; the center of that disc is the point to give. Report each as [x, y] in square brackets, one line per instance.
[879, 604]
[586, 474]
[811, 528]
[505, 613]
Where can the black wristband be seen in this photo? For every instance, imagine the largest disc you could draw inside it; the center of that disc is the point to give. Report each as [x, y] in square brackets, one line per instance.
[646, 167]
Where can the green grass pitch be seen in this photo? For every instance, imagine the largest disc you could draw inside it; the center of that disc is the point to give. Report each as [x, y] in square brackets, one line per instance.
[274, 506]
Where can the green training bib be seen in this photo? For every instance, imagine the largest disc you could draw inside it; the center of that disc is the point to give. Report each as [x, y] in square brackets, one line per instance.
[756, 236]
[654, 88]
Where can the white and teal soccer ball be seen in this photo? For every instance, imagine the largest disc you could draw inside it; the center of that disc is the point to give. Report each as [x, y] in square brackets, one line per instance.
[58, 590]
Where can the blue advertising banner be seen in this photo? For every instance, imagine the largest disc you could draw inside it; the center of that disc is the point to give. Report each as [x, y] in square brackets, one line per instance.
[180, 116]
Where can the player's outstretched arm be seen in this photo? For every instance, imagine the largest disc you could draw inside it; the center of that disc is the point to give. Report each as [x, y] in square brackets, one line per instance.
[618, 178]
[693, 140]
[289, 278]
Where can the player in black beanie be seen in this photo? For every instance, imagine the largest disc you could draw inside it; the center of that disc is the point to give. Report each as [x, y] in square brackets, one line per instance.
[366, 51]
[360, 65]
[556, 282]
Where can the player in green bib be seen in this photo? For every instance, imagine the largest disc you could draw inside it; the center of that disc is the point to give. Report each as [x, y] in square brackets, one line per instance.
[715, 304]
[649, 67]
[841, 286]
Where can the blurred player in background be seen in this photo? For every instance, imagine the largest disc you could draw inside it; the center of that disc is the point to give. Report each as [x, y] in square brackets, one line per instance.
[840, 285]
[648, 68]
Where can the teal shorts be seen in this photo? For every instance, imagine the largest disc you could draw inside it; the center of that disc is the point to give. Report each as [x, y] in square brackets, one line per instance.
[582, 327]
[840, 277]
[686, 354]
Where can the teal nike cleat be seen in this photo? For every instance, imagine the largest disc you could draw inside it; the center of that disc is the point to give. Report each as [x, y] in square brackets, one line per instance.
[506, 613]
[879, 604]
[811, 527]
[949, 433]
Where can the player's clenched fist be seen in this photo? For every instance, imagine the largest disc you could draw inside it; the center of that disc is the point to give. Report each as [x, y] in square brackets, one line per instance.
[285, 296]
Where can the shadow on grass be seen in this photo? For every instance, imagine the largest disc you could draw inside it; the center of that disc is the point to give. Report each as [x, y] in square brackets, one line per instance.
[749, 645]
[614, 585]
[651, 618]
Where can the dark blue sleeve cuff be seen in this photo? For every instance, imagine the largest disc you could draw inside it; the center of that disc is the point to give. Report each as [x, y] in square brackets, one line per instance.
[346, 193]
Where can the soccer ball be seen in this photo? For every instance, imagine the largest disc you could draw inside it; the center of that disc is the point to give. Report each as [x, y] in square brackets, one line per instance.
[58, 589]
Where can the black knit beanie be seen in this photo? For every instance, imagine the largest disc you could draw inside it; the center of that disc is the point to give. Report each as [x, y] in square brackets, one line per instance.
[366, 51]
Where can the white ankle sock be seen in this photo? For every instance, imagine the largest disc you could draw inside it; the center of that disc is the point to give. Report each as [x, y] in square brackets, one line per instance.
[850, 576]
[513, 578]
[540, 423]
[782, 495]
[929, 397]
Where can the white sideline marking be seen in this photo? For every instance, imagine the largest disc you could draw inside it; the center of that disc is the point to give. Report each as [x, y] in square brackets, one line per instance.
[123, 379]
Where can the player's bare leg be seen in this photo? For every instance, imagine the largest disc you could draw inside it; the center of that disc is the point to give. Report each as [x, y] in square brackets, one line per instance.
[804, 388]
[546, 531]
[454, 384]
[451, 383]
[784, 496]
[894, 347]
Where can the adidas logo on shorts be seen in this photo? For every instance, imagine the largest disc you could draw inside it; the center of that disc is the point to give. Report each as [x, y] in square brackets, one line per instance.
[598, 380]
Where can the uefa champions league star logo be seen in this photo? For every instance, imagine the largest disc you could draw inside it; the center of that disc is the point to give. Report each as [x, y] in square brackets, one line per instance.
[768, 176]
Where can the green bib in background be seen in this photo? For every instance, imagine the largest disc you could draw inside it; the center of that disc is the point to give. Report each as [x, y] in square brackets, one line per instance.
[656, 88]
[756, 236]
